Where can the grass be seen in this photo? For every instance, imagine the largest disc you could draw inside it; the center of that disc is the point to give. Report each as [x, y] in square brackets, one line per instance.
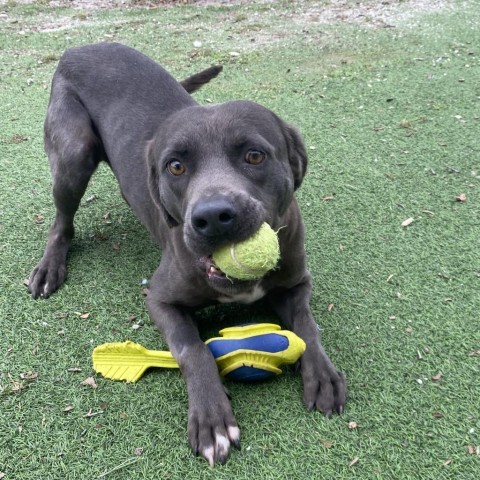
[391, 120]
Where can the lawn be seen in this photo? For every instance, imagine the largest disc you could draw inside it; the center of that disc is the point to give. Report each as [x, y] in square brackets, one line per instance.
[387, 97]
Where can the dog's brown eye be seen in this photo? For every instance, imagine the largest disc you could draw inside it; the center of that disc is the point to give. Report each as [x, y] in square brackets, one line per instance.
[175, 167]
[254, 157]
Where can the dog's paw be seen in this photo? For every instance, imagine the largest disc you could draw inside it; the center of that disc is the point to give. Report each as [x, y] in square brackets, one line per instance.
[47, 277]
[212, 431]
[324, 387]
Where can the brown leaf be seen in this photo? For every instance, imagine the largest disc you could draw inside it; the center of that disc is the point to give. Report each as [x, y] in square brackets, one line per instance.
[116, 246]
[17, 137]
[39, 219]
[138, 451]
[330, 307]
[437, 414]
[17, 387]
[437, 377]
[352, 425]
[328, 197]
[447, 462]
[407, 222]
[29, 376]
[68, 408]
[123, 415]
[132, 318]
[475, 353]
[473, 450]
[405, 124]
[90, 382]
[409, 329]
[326, 444]
[461, 198]
[26, 282]
[353, 462]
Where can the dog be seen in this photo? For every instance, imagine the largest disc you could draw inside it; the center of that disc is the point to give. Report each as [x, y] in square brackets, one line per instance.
[198, 177]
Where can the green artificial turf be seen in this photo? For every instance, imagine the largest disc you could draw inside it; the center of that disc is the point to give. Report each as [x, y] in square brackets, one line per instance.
[387, 99]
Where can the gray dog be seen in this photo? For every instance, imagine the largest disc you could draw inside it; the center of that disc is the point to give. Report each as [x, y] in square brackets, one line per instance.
[197, 177]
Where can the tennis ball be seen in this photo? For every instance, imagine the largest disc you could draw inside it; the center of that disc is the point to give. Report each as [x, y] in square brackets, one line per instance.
[250, 259]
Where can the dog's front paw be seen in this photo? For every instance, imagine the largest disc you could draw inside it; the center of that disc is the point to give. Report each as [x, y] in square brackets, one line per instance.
[324, 387]
[212, 430]
[47, 277]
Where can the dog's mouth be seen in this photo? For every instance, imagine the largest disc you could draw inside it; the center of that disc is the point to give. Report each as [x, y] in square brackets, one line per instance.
[219, 280]
[212, 271]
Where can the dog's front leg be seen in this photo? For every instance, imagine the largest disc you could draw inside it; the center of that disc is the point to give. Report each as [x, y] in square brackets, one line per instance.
[212, 428]
[324, 387]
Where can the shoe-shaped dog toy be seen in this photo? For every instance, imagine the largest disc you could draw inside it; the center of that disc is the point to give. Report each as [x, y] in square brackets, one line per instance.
[246, 353]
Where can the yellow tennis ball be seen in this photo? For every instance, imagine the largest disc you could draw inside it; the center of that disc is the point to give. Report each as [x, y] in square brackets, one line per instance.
[250, 259]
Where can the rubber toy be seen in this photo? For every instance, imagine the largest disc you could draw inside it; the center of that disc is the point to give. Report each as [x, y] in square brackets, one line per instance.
[245, 353]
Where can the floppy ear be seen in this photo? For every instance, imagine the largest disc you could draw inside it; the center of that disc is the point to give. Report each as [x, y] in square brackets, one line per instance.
[154, 186]
[297, 155]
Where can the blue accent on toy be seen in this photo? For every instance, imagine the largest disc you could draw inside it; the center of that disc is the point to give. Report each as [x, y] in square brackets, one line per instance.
[249, 374]
[254, 352]
[267, 342]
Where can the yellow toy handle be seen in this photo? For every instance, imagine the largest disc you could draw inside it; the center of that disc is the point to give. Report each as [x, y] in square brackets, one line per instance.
[128, 360]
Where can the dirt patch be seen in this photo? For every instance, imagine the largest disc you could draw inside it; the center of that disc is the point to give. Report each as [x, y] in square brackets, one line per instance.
[379, 14]
[105, 4]
[374, 14]
[300, 13]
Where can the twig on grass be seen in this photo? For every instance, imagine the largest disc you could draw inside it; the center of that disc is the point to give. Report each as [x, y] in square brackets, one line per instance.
[126, 463]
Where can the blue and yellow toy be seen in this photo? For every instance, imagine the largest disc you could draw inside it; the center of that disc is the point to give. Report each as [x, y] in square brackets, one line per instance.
[246, 353]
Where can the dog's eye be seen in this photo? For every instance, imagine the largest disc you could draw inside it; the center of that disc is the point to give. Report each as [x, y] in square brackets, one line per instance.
[254, 157]
[175, 167]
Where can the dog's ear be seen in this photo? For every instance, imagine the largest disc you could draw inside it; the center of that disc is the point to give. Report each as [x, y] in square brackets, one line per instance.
[153, 184]
[297, 154]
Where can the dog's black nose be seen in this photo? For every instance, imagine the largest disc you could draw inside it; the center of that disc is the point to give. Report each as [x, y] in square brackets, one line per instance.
[214, 216]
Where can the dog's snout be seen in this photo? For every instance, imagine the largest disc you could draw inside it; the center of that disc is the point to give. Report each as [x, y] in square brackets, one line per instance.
[214, 216]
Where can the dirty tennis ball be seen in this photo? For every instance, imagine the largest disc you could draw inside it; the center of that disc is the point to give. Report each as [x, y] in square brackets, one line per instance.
[250, 259]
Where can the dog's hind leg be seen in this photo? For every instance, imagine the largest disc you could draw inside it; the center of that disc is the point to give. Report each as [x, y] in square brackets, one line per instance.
[74, 152]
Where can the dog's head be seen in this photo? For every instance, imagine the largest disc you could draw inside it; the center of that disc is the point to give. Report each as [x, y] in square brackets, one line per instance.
[221, 171]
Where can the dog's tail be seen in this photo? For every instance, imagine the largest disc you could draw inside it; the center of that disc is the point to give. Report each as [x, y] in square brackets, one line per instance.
[197, 80]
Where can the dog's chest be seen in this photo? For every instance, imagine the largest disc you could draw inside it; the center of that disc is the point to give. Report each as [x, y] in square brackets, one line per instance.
[256, 293]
